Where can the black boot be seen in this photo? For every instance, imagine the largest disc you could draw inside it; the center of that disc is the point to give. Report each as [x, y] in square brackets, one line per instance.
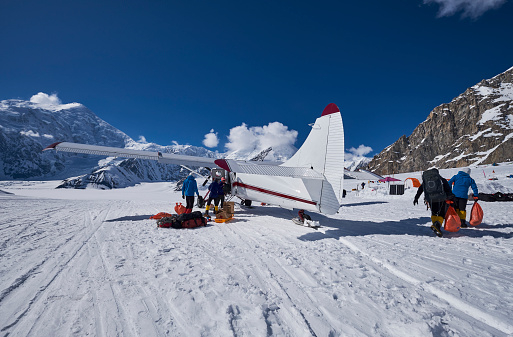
[463, 223]
[436, 227]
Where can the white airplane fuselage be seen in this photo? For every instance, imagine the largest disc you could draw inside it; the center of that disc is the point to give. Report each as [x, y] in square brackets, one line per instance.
[286, 192]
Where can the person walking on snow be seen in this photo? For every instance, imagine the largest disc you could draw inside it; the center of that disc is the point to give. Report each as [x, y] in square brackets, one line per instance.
[215, 191]
[436, 192]
[189, 188]
[462, 182]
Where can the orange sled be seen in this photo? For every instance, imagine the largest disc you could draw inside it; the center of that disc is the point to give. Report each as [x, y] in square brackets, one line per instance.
[223, 220]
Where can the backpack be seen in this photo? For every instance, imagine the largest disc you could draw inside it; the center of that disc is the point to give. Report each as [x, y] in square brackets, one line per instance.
[185, 220]
[201, 202]
[187, 216]
[433, 186]
[194, 222]
[170, 221]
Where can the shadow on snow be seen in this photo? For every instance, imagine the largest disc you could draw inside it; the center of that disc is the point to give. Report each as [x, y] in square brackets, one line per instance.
[336, 228]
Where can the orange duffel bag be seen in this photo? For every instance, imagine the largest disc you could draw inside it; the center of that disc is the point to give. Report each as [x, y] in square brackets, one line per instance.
[179, 209]
[452, 220]
[476, 215]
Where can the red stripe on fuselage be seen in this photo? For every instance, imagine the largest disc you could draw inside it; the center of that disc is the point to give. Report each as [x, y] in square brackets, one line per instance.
[281, 195]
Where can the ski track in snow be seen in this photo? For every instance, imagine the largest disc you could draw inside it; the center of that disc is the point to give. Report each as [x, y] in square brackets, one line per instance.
[98, 266]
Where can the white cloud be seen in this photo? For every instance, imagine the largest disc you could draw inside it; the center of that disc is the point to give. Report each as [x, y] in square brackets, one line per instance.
[470, 8]
[361, 151]
[244, 139]
[211, 139]
[142, 139]
[45, 99]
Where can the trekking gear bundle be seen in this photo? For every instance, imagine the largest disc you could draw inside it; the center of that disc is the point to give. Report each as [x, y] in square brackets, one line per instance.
[184, 220]
[194, 222]
[452, 219]
[168, 222]
[476, 214]
[498, 196]
[433, 186]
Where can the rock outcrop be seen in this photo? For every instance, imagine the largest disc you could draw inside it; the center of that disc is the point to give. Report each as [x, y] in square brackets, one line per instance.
[474, 128]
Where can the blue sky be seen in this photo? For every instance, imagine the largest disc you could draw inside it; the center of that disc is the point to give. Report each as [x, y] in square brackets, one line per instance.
[174, 70]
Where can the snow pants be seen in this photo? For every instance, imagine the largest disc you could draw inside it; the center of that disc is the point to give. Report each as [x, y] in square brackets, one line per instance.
[460, 205]
[438, 210]
[189, 202]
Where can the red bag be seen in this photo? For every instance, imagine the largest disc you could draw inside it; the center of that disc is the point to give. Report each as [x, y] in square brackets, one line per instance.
[167, 222]
[452, 220]
[476, 215]
[179, 209]
[196, 222]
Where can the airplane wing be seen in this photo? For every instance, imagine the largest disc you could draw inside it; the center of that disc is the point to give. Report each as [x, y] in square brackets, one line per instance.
[249, 167]
[237, 166]
[164, 158]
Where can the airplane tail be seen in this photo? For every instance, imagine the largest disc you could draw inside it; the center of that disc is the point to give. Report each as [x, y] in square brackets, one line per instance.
[323, 151]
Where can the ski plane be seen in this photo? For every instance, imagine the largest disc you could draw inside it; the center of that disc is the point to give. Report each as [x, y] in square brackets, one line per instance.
[312, 179]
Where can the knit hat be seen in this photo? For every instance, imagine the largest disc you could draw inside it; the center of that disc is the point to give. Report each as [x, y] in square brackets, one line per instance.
[466, 170]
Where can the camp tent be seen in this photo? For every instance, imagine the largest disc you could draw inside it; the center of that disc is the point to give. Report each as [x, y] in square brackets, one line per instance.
[411, 182]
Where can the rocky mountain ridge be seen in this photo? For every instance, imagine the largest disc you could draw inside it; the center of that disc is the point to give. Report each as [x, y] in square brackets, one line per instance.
[474, 128]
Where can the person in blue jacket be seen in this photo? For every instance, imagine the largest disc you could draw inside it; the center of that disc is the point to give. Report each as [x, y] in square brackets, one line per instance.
[462, 181]
[215, 191]
[189, 188]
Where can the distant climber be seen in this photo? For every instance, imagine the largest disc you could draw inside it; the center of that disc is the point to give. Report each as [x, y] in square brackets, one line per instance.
[462, 182]
[436, 192]
[363, 185]
[189, 188]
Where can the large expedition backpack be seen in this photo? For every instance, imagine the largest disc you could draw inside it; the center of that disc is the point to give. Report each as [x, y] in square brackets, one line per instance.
[184, 220]
[191, 220]
[433, 186]
[169, 222]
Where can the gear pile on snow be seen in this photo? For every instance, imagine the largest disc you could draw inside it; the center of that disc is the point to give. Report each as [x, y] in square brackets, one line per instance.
[184, 220]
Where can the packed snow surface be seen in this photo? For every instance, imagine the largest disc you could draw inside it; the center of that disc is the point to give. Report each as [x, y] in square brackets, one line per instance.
[90, 262]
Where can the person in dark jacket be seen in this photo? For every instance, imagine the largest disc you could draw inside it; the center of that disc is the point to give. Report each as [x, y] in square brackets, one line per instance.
[226, 190]
[438, 207]
[189, 188]
[215, 190]
[462, 182]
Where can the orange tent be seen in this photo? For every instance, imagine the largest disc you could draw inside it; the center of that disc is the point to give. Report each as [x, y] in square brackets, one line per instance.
[411, 182]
